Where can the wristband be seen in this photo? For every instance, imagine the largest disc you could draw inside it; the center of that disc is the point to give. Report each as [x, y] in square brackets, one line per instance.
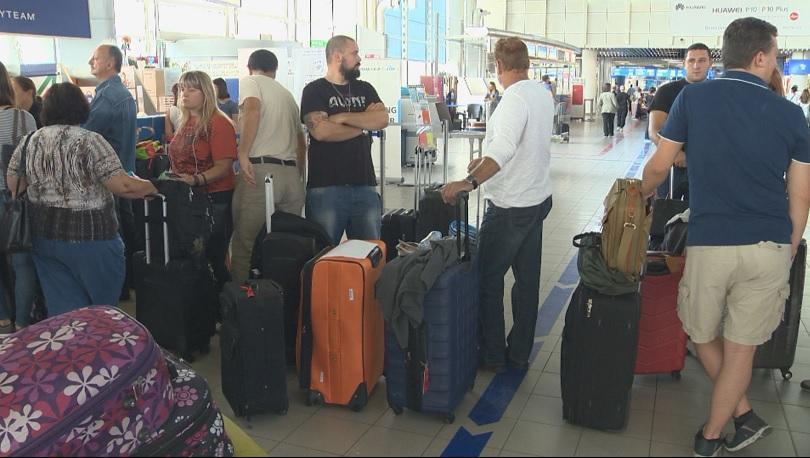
[471, 179]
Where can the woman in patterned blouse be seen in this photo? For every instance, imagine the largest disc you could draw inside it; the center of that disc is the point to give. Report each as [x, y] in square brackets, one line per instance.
[70, 175]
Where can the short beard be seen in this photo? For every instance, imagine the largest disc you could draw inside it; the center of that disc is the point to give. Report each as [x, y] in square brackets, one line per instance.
[350, 74]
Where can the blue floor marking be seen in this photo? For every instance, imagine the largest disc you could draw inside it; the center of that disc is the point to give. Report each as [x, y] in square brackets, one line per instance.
[465, 444]
[501, 390]
[571, 274]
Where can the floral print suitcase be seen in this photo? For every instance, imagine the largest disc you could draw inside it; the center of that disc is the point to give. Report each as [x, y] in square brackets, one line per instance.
[91, 382]
[196, 427]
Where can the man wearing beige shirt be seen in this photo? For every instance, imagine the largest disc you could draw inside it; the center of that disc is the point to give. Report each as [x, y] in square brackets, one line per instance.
[271, 142]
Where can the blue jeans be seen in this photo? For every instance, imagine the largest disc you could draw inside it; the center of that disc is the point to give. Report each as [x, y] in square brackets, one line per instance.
[78, 274]
[510, 237]
[357, 210]
[25, 281]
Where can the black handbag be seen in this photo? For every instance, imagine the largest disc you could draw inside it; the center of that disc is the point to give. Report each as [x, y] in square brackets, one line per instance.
[15, 225]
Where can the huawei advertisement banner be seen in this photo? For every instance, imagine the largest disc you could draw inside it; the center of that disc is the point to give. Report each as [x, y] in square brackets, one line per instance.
[711, 17]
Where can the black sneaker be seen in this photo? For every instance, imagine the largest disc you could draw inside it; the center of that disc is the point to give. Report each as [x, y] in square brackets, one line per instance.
[751, 431]
[707, 447]
[806, 385]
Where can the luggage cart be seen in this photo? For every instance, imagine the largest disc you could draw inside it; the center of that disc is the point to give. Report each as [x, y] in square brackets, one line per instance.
[562, 123]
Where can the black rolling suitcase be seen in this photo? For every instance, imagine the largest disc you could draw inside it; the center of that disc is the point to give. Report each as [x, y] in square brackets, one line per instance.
[599, 345]
[175, 298]
[252, 339]
[280, 255]
[780, 351]
[432, 213]
[398, 224]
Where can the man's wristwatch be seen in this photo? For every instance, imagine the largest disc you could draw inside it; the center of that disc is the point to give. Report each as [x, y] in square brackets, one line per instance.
[471, 179]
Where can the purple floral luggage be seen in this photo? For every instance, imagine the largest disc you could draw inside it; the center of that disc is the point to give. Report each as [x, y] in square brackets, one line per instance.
[196, 427]
[86, 383]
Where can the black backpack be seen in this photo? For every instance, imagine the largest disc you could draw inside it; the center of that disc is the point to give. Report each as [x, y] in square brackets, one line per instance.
[188, 216]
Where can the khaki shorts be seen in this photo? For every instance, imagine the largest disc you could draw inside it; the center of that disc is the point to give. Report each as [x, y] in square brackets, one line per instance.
[738, 292]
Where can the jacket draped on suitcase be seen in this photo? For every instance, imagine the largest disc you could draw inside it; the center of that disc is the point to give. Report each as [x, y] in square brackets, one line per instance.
[435, 366]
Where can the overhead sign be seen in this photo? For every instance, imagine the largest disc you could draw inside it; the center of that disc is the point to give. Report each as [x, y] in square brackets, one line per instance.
[797, 67]
[711, 17]
[63, 18]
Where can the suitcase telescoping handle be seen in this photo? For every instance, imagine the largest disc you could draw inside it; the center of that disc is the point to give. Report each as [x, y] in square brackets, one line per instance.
[381, 135]
[463, 199]
[269, 202]
[165, 229]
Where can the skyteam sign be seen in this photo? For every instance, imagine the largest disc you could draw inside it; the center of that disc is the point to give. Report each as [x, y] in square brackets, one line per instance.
[58, 18]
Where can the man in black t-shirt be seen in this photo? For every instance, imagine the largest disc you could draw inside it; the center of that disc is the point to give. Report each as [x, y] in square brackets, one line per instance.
[339, 110]
[697, 64]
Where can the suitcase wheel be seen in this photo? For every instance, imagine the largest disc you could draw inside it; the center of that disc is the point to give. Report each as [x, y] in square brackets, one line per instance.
[313, 398]
[676, 375]
[786, 374]
[450, 418]
[397, 409]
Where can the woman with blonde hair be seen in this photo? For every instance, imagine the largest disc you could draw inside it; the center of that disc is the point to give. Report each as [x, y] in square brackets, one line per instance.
[202, 154]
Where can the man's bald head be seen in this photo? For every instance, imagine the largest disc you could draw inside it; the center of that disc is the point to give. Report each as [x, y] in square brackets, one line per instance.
[115, 55]
[337, 44]
[107, 61]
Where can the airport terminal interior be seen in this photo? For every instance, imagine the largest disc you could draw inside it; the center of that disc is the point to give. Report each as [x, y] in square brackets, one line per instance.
[434, 67]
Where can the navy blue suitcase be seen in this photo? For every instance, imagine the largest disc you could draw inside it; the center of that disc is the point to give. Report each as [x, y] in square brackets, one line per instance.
[437, 369]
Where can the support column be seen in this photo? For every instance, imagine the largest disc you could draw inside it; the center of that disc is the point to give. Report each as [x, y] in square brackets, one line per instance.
[590, 74]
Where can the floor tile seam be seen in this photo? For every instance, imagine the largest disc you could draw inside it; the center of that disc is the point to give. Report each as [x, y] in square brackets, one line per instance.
[566, 425]
[422, 452]
[321, 450]
[410, 431]
[790, 431]
[253, 431]
[374, 423]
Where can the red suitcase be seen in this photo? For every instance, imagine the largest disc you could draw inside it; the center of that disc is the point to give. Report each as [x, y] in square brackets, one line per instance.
[662, 340]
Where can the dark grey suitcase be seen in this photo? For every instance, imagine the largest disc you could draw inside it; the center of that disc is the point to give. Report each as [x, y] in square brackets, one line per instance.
[599, 346]
[174, 298]
[780, 351]
[254, 368]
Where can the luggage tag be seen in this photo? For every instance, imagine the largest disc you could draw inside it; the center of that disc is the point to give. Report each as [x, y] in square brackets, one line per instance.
[248, 289]
[425, 379]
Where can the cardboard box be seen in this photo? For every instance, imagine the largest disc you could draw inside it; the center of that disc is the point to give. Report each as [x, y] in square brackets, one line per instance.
[157, 84]
[128, 76]
[165, 103]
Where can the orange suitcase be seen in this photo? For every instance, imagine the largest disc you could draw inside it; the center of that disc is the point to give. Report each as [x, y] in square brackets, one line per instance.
[341, 347]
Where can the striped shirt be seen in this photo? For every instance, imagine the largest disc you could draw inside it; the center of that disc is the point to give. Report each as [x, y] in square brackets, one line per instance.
[8, 141]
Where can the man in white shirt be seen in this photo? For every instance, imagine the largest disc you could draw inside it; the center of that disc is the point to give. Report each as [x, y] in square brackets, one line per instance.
[516, 170]
[271, 142]
[795, 96]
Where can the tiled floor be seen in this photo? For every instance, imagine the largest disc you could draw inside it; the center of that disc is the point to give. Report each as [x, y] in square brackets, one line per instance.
[665, 413]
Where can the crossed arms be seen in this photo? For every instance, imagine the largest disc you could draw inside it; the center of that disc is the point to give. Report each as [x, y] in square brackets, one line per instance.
[345, 126]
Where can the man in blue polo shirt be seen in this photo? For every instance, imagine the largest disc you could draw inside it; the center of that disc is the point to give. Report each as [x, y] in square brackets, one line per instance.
[744, 228]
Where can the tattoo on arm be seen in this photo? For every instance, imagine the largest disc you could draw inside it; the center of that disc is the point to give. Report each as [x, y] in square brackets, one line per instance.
[315, 118]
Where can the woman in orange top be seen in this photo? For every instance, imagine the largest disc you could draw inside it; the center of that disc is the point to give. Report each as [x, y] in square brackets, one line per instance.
[202, 154]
